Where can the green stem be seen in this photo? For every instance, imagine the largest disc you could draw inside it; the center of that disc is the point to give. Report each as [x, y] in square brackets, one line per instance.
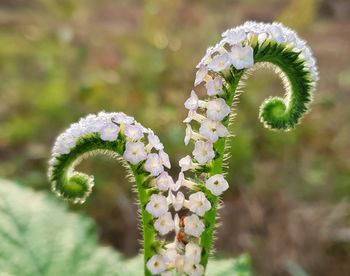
[217, 168]
[149, 242]
[276, 113]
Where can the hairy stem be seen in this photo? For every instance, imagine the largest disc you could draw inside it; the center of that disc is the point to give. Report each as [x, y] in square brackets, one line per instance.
[147, 226]
[217, 168]
[298, 99]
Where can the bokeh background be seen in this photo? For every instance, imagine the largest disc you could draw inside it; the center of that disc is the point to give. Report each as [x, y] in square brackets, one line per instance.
[288, 205]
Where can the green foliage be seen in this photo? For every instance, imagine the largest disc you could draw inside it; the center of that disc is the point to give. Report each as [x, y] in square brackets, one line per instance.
[39, 237]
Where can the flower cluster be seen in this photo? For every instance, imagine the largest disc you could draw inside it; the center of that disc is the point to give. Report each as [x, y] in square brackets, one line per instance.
[235, 50]
[188, 205]
[169, 258]
[109, 127]
[206, 122]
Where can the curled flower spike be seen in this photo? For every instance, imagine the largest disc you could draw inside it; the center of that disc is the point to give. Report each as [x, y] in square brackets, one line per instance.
[222, 71]
[118, 136]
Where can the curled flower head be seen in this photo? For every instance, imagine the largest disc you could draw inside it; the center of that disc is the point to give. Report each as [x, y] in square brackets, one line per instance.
[222, 71]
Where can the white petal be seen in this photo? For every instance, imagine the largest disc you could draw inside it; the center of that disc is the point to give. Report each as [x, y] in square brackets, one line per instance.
[156, 264]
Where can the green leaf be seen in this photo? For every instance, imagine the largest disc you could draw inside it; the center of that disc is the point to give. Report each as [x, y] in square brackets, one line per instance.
[39, 237]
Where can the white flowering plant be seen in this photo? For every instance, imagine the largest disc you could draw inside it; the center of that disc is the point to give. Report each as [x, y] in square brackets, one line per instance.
[179, 216]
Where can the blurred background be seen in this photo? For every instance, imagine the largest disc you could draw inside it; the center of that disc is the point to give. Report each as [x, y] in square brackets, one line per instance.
[288, 205]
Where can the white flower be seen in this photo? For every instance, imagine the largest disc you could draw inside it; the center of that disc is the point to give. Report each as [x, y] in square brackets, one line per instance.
[193, 102]
[193, 115]
[133, 132]
[242, 57]
[178, 201]
[165, 159]
[134, 152]
[277, 33]
[122, 118]
[262, 37]
[182, 181]
[154, 141]
[64, 143]
[193, 252]
[193, 269]
[109, 132]
[154, 164]
[207, 57]
[193, 226]
[217, 109]
[164, 181]
[186, 163]
[190, 134]
[201, 74]
[220, 63]
[75, 130]
[214, 86]
[216, 184]
[212, 130]
[170, 253]
[203, 152]
[179, 264]
[156, 264]
[164, 224]
[235, 36]
[157, 205]
[177, 224]
[94, 123]
[198, 203]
